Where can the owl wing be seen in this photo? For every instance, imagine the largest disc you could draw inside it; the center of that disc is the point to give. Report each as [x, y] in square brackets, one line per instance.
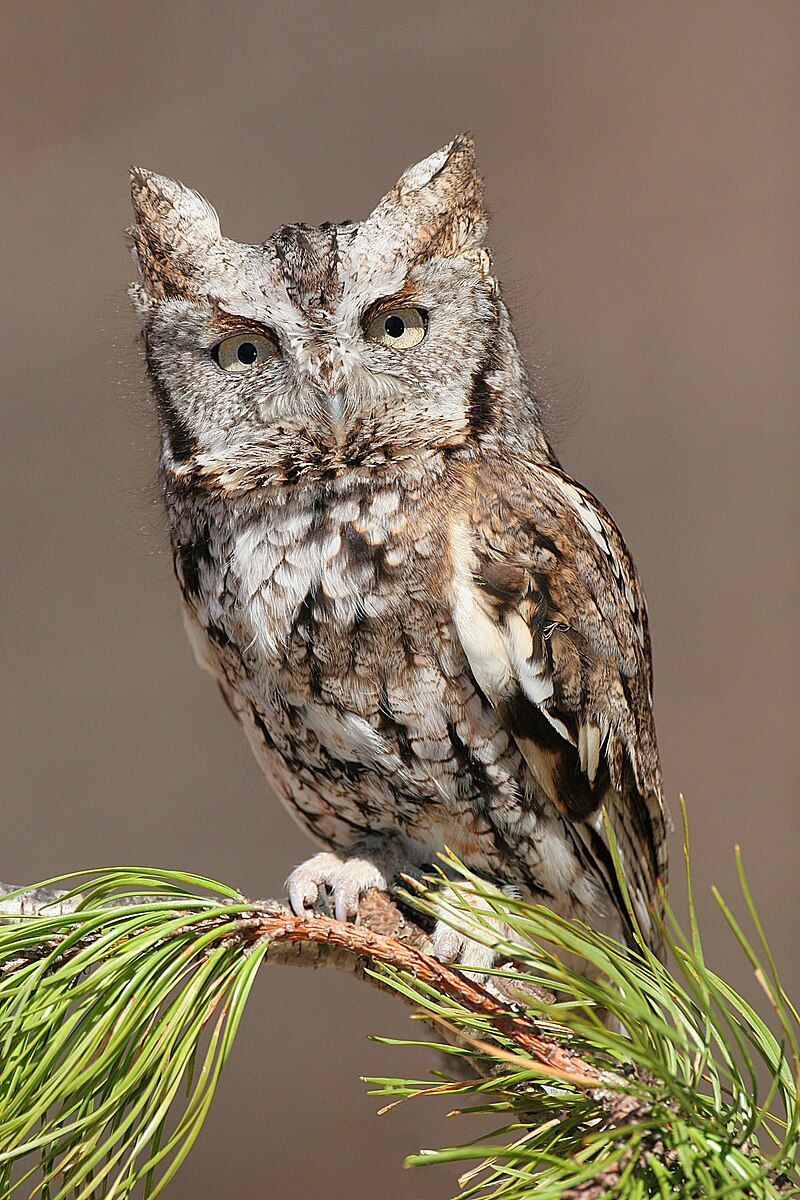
[549, 611]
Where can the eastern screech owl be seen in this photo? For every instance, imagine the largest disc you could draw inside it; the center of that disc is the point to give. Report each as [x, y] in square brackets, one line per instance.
[431, 635]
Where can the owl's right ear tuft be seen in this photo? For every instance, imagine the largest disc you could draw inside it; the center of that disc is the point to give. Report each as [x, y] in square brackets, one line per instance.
[175, 227]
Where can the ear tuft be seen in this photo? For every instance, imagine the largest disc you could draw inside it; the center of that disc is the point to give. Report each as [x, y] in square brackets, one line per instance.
[169, 205]
[455, 161]
[436, 206]
[175, 228]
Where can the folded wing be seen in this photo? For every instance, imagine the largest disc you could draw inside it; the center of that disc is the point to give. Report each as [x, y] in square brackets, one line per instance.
[551, 617]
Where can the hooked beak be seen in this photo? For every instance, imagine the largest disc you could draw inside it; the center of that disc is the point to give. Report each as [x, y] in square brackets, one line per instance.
[333, 404]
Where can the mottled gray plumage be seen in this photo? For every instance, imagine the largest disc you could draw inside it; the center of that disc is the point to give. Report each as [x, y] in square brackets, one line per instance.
[430, 634]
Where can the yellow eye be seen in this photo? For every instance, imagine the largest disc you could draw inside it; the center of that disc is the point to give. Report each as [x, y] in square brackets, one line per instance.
[398, 328]
[243, 352]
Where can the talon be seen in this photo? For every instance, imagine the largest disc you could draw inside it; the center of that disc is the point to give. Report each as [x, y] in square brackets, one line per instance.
[468, 953]
[447, 944]
[344, 880]
[345, 904]
[304, 883]
[301, 895]
[471, 956]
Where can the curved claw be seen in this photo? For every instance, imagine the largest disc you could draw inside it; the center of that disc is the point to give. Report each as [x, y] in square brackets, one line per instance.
[450, 946]
[345, 901]
[301, 895]
[347, 879]
[305, 881]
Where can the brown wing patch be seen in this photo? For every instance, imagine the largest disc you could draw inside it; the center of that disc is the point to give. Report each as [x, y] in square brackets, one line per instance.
[555, 763]
[552, 619]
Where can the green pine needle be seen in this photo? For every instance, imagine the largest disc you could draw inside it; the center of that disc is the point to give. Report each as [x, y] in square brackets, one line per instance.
[117, 1019]
[105, 1015]
[713, 1091]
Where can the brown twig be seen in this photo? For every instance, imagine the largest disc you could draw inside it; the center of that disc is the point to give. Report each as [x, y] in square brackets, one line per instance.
[382, 933]
[363, 943]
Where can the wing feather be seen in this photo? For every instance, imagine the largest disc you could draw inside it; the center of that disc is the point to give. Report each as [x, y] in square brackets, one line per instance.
[549, 611]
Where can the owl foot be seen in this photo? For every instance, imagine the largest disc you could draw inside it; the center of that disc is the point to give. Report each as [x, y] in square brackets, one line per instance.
[450, 946]
[459, 948]
[345, 879]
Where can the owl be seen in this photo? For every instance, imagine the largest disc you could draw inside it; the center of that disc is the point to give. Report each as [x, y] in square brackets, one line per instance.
[431, 635]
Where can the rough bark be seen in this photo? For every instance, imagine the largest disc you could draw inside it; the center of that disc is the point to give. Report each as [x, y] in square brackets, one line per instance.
[382, 933]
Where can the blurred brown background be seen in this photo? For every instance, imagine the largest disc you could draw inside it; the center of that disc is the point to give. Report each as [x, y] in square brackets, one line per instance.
[643, 172]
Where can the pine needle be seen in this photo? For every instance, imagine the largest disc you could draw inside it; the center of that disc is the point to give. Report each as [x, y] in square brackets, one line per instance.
[117, 1018]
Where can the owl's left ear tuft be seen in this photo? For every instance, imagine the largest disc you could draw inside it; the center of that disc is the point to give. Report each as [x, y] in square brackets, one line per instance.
[436, 207]
[449, 167]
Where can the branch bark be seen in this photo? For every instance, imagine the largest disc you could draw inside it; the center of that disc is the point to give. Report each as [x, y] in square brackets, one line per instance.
[382, 933]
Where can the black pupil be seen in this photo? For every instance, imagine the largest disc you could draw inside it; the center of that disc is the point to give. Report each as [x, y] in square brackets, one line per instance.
[247, 353]
[395, 326]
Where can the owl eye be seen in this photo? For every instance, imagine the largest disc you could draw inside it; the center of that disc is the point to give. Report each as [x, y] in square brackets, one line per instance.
[243, 352]
[398, 328]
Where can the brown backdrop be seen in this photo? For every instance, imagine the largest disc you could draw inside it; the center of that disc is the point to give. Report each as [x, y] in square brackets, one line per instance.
[643, 174]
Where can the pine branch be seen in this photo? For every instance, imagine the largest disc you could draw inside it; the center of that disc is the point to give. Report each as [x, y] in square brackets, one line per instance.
[381, 934]
[118, 991]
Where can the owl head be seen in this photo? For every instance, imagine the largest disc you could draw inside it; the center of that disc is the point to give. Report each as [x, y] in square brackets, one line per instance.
[352, 350]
